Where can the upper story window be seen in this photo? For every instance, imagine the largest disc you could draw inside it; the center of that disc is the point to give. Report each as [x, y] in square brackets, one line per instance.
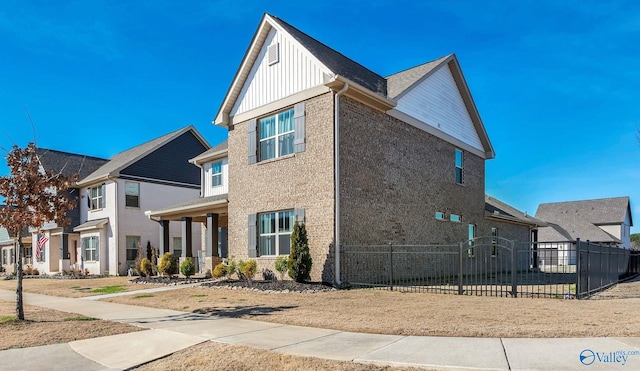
[494, 240]
[96, 196]
[439, 215]
[216, 174]
[274, 232]
[132, 194]
[455, 218]
[276, 135]
[459, 166]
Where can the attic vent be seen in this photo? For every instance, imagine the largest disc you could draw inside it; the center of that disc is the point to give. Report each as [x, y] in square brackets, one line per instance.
[273, 53]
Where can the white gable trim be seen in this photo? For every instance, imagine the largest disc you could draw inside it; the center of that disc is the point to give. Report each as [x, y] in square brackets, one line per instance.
[436, 132]
[246, 68]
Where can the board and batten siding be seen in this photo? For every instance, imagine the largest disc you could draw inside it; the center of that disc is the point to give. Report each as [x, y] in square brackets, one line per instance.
[437, 102]
[207, 183]
[296, 71]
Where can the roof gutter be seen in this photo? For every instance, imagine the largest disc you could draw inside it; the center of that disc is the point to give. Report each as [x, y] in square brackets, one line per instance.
[336, 159]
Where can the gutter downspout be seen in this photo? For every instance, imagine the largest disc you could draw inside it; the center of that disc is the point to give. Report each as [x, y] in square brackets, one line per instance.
[116, 230]
[336, 159]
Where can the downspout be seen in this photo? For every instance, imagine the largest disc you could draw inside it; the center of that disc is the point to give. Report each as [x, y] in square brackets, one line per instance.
[336, 159]
[117, 227]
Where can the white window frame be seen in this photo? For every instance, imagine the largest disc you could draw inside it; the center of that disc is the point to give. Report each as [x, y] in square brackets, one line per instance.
[494, 241]
[277, 136]
[128, 194]
[132, 243]
[459, 166]
[216, 176]
[177, 241]
[277, 233]
[97, 194]
[455, 218]
[440, 216]
[472, 230]
[91, 250]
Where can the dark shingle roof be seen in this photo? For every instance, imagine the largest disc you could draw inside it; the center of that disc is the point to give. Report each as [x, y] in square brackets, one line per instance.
[403, 80]
[54, 161]
[580, 219]
[123, 159]
[498, 209]
[336, 62]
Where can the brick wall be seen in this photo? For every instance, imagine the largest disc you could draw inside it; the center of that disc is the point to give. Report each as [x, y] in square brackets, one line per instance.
[303, 180]
[394, 177]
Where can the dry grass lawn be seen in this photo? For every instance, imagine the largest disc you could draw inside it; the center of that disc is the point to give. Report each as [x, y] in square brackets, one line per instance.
[47, 326]
[71, 288]
[218, 356]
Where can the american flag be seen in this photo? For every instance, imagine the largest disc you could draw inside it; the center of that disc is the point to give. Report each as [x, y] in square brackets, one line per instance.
[42, 240]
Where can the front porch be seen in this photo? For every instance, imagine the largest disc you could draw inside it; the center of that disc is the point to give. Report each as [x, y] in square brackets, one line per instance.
[212, 213]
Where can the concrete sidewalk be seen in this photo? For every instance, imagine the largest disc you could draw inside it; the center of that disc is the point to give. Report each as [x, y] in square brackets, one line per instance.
[171, 331]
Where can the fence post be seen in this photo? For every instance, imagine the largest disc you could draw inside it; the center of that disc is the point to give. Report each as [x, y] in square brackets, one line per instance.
[460, 269]
[578, 269]
[514, 270]
[391, 266]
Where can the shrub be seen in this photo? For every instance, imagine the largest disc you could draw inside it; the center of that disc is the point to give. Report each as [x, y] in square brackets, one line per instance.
[146, 268]
[138, 261]
[232, 267]
[167, 265]
[26, 270]
[35, 271]
[188, 268]
[268, 275]
[219, 271]
[248, 268]
[299, 262]
[281, 265]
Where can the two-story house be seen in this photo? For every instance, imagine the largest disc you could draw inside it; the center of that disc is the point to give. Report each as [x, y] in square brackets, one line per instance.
[360, 158]
[114, 197]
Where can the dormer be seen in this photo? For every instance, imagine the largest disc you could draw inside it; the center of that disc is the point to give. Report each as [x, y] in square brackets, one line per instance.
[214, 169]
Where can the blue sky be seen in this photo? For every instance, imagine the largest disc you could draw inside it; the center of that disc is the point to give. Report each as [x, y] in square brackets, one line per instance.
[557, 84]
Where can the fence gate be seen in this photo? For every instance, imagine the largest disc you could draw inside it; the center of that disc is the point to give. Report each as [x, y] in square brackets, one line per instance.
[487, 267]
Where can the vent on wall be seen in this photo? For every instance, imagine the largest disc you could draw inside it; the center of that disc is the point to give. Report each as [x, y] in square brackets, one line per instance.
[273, 53]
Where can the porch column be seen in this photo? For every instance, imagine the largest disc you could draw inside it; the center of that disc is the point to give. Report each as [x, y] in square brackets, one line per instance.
[187, 245]
[212, 235]
[64, 247]
[164, 237]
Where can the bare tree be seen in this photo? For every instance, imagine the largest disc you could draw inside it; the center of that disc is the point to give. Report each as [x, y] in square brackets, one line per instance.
[33, 198]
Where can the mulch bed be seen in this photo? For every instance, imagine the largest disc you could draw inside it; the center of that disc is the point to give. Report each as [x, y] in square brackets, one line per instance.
[255, 285]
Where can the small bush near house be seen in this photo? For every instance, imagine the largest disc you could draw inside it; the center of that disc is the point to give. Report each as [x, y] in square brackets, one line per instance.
[219, 271]
[188, 268]
[299, 262]
[139, 256]
[167, 265]
[146, 268]
[248, 269]
[268, 275]
[35, 271]
[281, 265]
[26, 270]
[232, 267]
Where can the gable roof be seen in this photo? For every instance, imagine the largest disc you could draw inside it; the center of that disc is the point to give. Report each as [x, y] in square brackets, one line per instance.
[498, 210]
[220, 150]
[580, 219]
[123, 159]
[400, 82]
[68, 163]
[335, 61]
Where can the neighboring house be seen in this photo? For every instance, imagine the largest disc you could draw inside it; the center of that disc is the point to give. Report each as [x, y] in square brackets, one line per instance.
[8, 248]
[114, 197]
[360, 158]
[210, 210]
[54, 248]
[604, 221]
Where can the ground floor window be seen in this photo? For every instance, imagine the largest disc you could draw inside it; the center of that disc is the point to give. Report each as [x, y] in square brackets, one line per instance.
[90, 248]
[472, 235]
[5, 257]
[132, 247]
[274, 232]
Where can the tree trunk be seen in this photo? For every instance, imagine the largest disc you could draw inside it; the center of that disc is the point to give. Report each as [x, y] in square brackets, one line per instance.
[19, 304]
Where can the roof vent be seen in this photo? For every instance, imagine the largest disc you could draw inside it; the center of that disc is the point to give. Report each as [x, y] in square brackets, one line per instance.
[273, 54]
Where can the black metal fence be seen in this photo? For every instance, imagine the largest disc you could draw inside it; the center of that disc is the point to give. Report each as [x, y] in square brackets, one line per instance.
[491, 266]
